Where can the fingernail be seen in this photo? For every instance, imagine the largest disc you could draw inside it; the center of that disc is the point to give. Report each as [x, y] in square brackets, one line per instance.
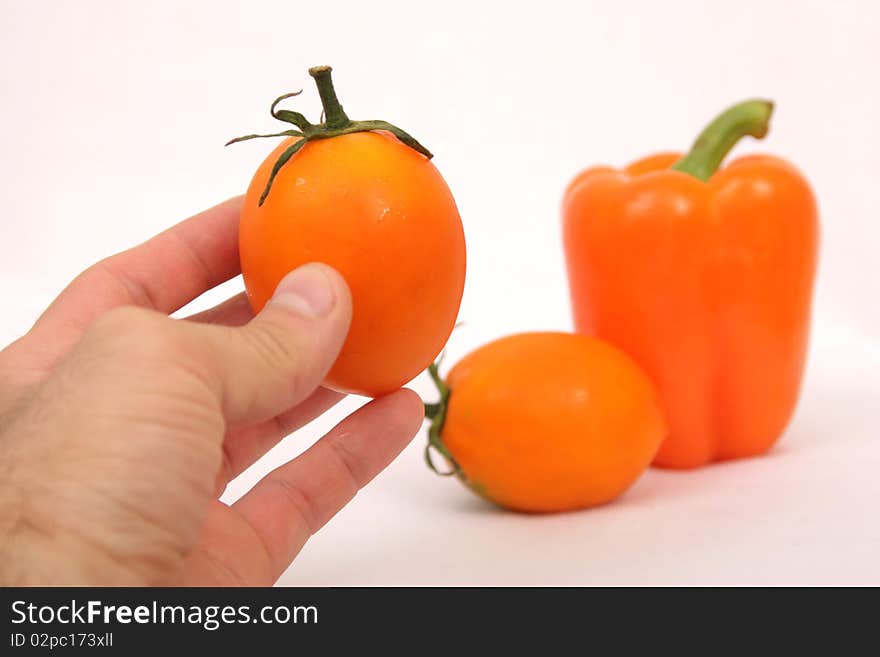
[307, 291]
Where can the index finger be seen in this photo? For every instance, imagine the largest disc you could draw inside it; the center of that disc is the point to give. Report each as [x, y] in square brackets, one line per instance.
[164, 273]
[293, 501]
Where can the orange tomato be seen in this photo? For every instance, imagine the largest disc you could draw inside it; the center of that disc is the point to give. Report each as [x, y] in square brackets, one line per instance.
[542, 422]
[381, 214]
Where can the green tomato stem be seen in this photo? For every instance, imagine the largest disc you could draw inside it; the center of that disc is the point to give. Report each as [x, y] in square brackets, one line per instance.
[334, 115]
[436, 413]
[336, 123]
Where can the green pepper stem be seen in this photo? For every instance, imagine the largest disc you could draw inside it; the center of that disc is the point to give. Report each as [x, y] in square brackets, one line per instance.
[334, 115]
[751, 117]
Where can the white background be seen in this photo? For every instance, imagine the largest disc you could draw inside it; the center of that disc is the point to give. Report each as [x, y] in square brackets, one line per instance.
[113, 119]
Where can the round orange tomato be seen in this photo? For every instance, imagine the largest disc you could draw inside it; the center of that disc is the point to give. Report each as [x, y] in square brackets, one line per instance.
[379, 212]
[544, 422]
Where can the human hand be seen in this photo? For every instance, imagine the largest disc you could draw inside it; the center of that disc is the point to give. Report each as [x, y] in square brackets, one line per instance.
[120, 427]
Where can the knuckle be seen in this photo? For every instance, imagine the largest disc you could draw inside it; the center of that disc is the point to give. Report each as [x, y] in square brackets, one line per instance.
[119, 321]
[349, 466]
[299, 502]
[134, 332]
[273, 346]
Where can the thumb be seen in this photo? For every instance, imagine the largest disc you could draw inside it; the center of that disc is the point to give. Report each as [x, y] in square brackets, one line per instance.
[281, 356]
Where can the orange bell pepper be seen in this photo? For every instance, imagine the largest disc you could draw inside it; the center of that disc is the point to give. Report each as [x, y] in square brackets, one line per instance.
[704, 276]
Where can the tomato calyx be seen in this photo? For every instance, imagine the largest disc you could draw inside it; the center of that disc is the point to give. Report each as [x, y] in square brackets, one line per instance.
[436, 413]
[334, 123]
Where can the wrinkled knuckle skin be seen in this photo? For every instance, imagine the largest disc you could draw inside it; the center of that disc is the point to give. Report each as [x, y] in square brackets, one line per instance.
[274, 347]
[349, 464]
[299, 502]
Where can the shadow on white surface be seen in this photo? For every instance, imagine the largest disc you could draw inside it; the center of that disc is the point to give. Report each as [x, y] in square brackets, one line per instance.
[803, 514]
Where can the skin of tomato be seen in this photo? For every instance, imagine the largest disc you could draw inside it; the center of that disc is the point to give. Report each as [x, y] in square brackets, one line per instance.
[707, 286]
[543, 422]
[380, 214]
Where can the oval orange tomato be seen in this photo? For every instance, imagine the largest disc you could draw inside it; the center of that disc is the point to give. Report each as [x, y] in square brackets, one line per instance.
[543, 422]
[381, 214]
